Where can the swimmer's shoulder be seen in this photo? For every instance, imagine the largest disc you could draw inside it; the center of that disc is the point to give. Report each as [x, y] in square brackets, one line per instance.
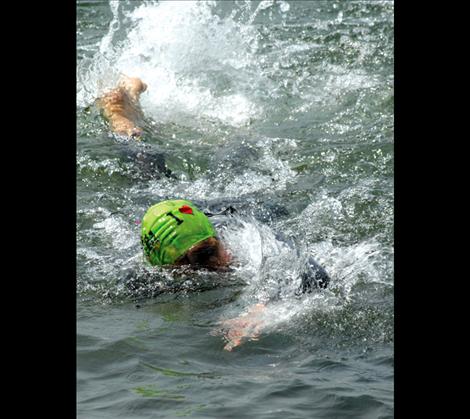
[314, 276]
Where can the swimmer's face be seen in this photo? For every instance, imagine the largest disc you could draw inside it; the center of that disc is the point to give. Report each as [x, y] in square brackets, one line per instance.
[210, 254]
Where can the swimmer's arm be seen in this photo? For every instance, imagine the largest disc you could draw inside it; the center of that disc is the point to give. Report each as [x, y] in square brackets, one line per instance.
[121, 107]
[247, 326]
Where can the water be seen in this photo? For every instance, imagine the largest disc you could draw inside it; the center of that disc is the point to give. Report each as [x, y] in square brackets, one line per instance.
[283, 110]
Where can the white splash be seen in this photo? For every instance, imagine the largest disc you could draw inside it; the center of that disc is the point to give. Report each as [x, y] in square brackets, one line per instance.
[117, 232]
[184, 52]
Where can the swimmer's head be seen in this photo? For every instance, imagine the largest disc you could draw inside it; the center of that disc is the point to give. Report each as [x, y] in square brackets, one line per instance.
[177, 232]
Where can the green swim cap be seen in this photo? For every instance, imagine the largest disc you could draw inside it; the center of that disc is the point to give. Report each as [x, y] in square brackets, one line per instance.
[171, 228]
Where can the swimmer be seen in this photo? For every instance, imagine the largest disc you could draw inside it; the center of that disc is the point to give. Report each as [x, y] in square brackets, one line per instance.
[176, 232]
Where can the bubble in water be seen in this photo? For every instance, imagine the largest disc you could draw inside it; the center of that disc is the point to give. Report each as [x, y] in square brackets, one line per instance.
[339, 19]
[284, 6]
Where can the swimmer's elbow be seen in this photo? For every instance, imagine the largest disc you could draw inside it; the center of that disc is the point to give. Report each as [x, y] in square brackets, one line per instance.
[315, 277]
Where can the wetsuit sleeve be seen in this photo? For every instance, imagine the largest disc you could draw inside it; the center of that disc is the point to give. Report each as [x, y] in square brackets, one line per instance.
[313, 277]
[149, 163]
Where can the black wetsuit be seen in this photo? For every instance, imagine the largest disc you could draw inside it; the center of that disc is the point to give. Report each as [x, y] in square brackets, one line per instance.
[147, 162]
[313, 277]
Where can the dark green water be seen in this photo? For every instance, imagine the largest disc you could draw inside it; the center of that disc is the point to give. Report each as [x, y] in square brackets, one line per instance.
[283, 110]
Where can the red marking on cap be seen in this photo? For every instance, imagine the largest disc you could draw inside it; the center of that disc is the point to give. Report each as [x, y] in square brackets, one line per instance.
[186, 210]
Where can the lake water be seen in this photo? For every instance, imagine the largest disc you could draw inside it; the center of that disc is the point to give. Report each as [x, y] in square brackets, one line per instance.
[284, 111]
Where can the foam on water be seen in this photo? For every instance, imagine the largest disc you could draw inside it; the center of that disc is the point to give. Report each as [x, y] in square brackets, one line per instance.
[107, 166]
[268, 172]
[180, 49]
[117, 231]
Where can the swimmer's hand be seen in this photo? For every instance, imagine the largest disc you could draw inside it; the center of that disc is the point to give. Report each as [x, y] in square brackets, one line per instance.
[121, 107]
[245, 327]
